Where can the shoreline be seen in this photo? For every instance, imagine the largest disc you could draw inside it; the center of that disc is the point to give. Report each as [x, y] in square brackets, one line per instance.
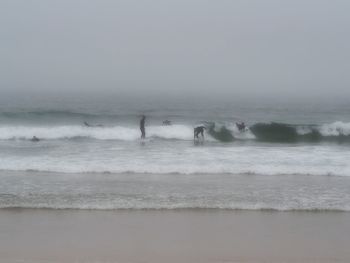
[160, 192]
[187, 235]
[176, 209]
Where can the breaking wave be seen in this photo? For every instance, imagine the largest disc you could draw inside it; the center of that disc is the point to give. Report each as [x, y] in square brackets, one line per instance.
[224, 132]
[279, 132]
[180, 132]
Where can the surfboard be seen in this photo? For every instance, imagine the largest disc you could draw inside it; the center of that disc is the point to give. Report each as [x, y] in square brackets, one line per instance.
[145, 140]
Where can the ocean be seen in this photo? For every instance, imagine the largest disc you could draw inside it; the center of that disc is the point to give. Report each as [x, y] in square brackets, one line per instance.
[290, 157]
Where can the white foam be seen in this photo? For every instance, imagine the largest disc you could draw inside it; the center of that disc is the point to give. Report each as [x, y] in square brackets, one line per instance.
[180, 132]
[335, 129]
[303, 130]
[101, 191]
[183, 159]
[242, 135]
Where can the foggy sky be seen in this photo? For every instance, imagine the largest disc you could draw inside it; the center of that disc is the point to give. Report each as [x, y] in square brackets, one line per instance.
[223, 47]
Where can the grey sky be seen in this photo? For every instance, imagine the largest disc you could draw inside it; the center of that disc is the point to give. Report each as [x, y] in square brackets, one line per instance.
[246, 47]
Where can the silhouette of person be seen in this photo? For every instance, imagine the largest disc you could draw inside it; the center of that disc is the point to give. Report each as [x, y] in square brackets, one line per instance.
[241, 126]
[35, 139]
[142, 127]
[198, 131]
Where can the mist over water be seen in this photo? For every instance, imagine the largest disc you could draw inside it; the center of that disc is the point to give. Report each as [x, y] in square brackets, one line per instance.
[274, 50]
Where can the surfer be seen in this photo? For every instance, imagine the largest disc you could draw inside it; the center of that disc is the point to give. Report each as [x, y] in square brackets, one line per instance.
[35, 139]
[198, 131]
[166, 123]
[142, 127]
[89, 125]
[241, 126]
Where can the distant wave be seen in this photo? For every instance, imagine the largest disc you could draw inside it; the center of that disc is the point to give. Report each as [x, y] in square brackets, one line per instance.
[130, 206]
[42, 116]
[48, 114]
[46, 169]
[53, 117]
[265, 132]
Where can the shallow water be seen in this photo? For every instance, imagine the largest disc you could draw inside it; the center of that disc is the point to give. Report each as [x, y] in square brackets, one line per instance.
[174, 191]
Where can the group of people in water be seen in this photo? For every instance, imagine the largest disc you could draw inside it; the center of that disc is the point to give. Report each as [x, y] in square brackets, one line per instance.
[197, 131]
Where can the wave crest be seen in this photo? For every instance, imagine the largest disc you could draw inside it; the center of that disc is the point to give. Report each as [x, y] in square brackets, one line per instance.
[224, 132]
[180, 132]
[280, 132]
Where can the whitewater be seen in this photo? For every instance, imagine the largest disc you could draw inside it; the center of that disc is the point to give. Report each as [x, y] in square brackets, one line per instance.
[290, 149]
[279, 132]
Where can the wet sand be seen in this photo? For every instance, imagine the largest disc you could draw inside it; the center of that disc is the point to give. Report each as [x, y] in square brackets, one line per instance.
[41, 235]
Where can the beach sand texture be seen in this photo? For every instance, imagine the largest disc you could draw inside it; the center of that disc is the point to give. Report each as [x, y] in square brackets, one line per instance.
[189, 235]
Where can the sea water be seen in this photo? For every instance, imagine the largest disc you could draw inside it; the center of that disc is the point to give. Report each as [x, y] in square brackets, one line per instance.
[290, 157]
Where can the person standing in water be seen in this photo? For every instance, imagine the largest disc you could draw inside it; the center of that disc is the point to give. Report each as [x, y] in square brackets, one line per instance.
[142, 127]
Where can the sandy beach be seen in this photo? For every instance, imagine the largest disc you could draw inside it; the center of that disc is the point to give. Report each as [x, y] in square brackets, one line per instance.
[44, 235]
